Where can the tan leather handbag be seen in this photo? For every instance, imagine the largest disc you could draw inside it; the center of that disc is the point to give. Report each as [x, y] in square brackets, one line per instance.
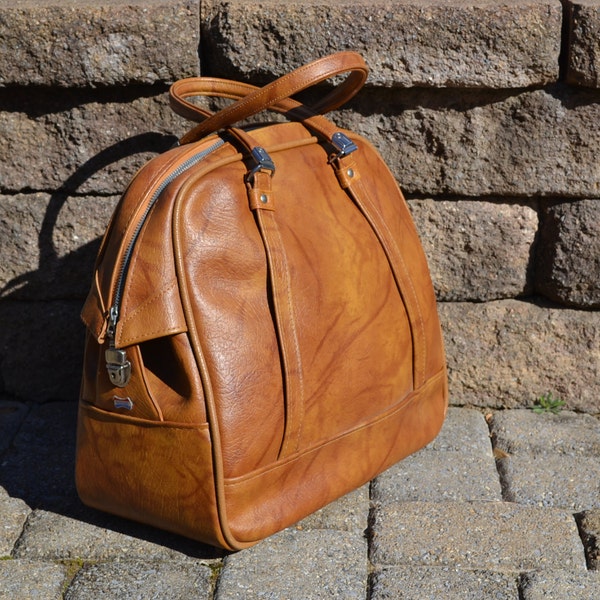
[262, 333]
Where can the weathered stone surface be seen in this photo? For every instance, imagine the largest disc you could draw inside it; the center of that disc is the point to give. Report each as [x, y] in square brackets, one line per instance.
[81, 141]
[41, 349]
[470, 143]
[498, 536]
[349, 513]
[12, 414]
[176, 580]
[457, 466]
[524, 432]
[408, 43]
[89, 43]
[563, 584]
[38, 468]
[418, 583]
[49, 243]
[568, 255]
[31, 579]
[584, 42]
[559, 481]
[589, 525]
[13, 515]
[336, 562]
[508, 353]
[52, 536]
[477, 250]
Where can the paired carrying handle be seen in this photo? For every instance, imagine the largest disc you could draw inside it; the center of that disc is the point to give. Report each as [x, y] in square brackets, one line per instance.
[275, 96]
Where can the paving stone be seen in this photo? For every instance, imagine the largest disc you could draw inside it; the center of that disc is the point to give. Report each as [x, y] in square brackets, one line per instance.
[527, 432]
[105, 42]
[143, 580]
[584, 42]
[31, 580]
[568, 252]
[570, 482]
[438, 477]
[12, 414]
[52, 536]
[496, 536]
[447, 583]
[589, 527]
[464, 430]
[477, 250]
[507, 353]
[50, 242]
[409, 43]
[13, 516]
[349, 513]
[298, 564]
[560, 585]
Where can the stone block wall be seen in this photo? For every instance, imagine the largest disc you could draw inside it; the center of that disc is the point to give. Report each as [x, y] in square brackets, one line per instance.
[487, 112]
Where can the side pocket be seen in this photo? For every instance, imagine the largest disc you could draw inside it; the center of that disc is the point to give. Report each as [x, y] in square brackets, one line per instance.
[153, 472]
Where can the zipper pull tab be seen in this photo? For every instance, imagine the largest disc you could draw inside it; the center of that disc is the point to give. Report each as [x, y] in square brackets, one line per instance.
[117, 365]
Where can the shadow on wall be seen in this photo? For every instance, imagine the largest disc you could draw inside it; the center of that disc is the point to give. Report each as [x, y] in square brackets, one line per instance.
[41, 355]
[41, 335]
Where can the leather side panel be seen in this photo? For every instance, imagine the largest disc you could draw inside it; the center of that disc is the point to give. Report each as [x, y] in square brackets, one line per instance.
[158, 474]
[273, 498]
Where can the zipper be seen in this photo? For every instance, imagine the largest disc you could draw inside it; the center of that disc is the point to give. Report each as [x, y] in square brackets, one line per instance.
[117, 365]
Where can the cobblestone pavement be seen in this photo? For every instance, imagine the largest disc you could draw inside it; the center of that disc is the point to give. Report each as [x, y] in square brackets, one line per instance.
[504, 506]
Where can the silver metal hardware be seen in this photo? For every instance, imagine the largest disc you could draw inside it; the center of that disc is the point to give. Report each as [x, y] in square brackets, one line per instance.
[126, 403]
[263, 162]
[343, 144]
[264, 198]
[118, 367]
[350, 173]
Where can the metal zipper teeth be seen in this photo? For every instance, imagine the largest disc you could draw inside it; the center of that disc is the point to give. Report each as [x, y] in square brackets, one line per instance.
[190, 162]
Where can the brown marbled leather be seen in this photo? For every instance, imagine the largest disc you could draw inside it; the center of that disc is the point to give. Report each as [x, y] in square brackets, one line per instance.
[282, 330]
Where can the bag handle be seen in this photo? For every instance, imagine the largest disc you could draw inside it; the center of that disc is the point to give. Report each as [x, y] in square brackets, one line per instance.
[275, 95]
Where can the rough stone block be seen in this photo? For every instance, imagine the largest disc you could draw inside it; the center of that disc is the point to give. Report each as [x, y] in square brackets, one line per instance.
[12, 414]
[508, 353]
[98, 43]
[176, 580]
[41, 349]
[31, 579]
[494, 536]
[407, 43]
[477, 250]
[562, 584]
[484, 143]
[584, 42]
[568, 254]
[49, 244]
[81, 141]
[418, 583]
[298, 564]
[39, 466]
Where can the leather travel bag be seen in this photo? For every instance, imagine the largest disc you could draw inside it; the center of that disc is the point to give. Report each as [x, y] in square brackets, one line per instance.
[262, 333]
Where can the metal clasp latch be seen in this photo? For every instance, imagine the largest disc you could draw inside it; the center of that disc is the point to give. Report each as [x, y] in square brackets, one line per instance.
[118, 367]
[263, 162]
[343, 144]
